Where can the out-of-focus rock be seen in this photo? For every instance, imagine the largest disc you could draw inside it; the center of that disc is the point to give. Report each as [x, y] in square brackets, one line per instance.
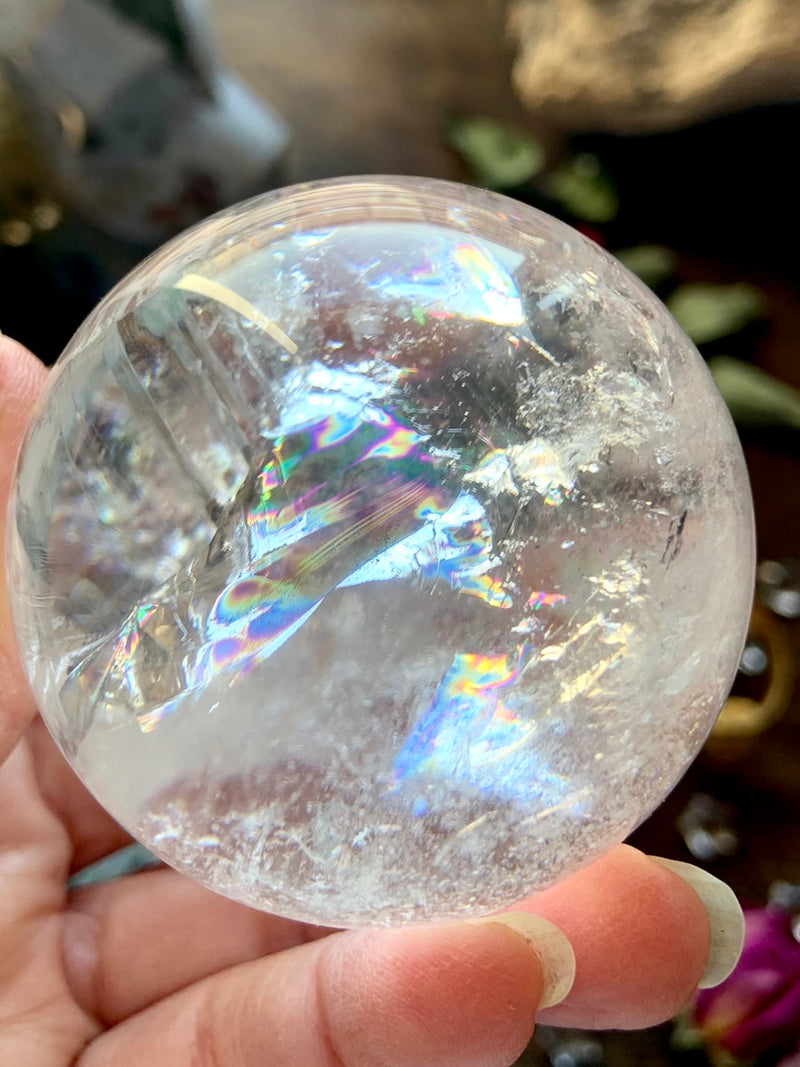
[631, 66]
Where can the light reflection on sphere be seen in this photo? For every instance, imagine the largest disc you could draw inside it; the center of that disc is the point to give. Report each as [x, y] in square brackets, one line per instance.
[382, 551]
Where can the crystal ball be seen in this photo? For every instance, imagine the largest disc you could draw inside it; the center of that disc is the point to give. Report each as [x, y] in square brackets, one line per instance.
[381, 551]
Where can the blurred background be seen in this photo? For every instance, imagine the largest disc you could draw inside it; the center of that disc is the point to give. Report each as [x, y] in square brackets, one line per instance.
[660, 128]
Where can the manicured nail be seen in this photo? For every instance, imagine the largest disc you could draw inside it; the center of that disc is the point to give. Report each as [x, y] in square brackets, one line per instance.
[555, 953]
[725, 916]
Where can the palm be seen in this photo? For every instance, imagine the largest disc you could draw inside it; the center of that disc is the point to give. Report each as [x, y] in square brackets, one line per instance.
[36, 851]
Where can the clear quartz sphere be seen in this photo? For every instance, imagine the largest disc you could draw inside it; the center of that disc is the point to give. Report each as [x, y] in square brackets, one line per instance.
[382, 551]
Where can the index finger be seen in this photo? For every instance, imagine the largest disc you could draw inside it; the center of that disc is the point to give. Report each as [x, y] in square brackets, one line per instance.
[22, 377]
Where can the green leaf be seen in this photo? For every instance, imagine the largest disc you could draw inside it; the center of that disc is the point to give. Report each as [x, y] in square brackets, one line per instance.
[708, 312]
[654, 264]
[685, 1036]
[754, 397]
[581, 185]
[498, 155]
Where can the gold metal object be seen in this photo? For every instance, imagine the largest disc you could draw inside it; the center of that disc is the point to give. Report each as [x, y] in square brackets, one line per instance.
[25, 206]
[744, 718]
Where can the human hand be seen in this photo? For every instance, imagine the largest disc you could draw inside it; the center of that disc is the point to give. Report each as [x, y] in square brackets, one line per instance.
[154, 969]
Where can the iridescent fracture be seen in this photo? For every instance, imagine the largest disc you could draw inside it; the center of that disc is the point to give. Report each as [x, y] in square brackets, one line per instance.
[352, 497]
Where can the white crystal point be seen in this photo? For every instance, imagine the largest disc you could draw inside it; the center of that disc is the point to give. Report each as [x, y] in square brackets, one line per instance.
[383, 551]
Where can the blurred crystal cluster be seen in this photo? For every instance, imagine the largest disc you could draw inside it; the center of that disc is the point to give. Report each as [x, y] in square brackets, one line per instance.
[119, 127]
[139, 126]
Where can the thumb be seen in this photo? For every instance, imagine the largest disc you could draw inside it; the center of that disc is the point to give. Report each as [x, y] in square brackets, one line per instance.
[22, 377]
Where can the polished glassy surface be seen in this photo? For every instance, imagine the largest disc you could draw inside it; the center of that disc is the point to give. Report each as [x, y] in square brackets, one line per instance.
[382, 551]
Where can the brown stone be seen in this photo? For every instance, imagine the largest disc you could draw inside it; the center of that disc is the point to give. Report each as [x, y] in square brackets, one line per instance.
[638, 65]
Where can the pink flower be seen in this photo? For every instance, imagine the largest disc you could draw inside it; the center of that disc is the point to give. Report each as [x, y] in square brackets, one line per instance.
[757, 1010]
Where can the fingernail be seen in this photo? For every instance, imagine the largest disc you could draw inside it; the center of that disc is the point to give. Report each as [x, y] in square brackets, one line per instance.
[725, 916]
[552, 947]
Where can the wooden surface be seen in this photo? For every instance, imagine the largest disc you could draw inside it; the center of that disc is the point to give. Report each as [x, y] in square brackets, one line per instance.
[366, 84]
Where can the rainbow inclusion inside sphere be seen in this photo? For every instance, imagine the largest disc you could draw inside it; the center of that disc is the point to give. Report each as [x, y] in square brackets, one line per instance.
[382, 551]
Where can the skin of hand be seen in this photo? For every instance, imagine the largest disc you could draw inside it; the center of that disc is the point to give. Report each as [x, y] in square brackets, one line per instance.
[154, 969]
